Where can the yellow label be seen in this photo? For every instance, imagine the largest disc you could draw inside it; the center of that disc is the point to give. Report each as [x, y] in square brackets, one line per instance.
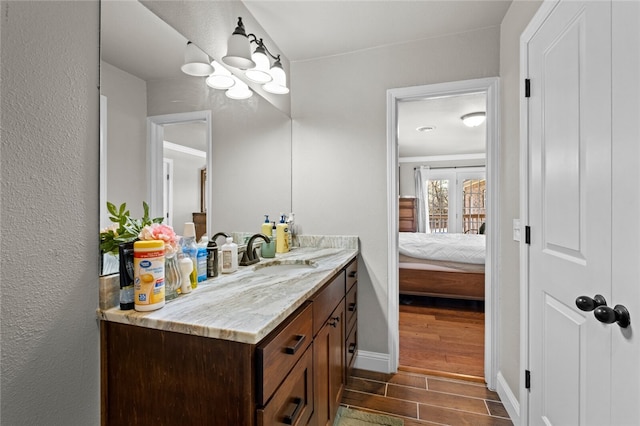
[148, 277]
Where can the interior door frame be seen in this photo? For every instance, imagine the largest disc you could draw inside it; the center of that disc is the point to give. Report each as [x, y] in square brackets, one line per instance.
[155, 142]
[490, 86]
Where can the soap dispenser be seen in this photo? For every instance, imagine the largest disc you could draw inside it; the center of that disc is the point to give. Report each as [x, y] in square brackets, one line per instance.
[282, 236]
[266, 226]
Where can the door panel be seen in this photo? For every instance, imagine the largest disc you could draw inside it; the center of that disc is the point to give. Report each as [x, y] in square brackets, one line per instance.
[570, 213]
[564, 337]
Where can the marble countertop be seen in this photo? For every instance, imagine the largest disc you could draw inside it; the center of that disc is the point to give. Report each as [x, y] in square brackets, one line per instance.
[248, 304]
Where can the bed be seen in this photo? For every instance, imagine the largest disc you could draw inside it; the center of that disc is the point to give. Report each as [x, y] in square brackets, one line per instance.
[442, 265]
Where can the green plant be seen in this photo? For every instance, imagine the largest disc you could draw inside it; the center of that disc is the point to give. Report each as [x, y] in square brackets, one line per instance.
[124, 229]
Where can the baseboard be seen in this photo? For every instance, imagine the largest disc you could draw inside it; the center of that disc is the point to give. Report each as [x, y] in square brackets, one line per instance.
[509, 400]
[372, 361]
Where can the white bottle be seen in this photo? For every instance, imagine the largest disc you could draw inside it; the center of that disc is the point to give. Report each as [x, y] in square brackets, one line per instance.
[186, 266]
[229, 256]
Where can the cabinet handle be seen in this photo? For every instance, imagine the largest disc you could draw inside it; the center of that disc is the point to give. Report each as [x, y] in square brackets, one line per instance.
[352, 348]
[353, 274]
[334, 321]
[352, 307]
[290, 419]
[291, 350]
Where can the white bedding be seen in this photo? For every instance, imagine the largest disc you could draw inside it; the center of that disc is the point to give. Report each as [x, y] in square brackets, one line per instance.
[464, 248]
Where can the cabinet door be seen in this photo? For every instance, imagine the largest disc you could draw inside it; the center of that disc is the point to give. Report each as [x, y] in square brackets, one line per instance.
[329, 368]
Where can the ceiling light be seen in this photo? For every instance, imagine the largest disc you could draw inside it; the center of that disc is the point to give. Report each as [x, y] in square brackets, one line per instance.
[239, 91]
[196, 62]
[426, 128]
[221, 77]
[473, 119]
[256, 66]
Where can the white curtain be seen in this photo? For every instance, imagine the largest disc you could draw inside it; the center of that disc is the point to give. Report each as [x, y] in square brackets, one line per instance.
[421, 177]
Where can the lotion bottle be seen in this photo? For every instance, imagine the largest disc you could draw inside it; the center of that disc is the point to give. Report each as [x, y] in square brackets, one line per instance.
[282, 234]
[266, 226]
[229, 256]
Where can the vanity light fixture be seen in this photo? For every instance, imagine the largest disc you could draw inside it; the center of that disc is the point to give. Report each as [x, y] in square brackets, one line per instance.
[256, 65]
[196, 62]
[473, 119]
[221, 77]
[239, 91]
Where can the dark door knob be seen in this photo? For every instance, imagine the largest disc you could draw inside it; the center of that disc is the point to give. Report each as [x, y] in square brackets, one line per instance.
[618, 314]
[587, 304]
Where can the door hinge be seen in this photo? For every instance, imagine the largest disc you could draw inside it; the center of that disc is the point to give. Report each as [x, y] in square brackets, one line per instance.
[527, 88]
[527, 379]
[527, 234]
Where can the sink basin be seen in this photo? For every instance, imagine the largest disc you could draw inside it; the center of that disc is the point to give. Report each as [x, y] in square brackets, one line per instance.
[283, 267]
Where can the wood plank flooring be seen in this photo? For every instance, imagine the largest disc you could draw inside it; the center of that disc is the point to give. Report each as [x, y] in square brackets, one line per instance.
[442, 337]
[422, 400]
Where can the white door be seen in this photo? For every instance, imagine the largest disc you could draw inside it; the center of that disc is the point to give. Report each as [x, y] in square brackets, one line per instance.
[583, 212]
[569, 68]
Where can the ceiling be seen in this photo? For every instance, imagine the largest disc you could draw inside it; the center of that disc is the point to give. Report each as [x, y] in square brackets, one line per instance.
[143, 45]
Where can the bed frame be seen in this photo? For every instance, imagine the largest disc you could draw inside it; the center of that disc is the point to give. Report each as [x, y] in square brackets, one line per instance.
[453, 285]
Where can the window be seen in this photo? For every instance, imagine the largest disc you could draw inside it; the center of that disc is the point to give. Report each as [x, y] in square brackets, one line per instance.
[456, 200]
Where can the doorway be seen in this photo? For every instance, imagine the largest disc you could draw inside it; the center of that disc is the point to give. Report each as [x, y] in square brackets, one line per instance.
[488, 86]
[194, 126]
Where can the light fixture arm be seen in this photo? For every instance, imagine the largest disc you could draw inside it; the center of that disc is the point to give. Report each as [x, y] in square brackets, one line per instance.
[254, 39]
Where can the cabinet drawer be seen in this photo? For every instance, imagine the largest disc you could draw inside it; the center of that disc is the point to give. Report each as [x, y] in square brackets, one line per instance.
[352, 274]
[351, 307]
[326, 300]
[292, 404]
[279, 352]
[351, 349]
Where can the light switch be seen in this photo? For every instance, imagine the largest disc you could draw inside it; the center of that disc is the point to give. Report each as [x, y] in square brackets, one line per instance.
[516, 229]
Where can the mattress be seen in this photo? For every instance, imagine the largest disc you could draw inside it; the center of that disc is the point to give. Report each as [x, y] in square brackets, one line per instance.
[407, 262]
[459, 248]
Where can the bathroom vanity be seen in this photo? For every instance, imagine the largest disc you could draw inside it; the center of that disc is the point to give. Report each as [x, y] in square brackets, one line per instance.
[270, 344]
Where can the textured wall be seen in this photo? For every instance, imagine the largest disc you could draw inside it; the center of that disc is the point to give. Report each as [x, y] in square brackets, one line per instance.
[514, 22]
[340, 146]
[49, 213]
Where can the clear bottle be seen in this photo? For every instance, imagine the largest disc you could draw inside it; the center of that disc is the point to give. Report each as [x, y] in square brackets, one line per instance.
[190, 249]
[229, 256]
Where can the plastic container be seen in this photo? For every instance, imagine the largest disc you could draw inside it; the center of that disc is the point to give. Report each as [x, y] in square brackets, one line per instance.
[202, 262]
[148, 275]
[190, 249]
[266, 226]
[229, 256]
[282, 236]
[186, 267]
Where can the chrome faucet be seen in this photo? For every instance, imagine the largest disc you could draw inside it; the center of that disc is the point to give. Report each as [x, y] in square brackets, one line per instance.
[250, 255]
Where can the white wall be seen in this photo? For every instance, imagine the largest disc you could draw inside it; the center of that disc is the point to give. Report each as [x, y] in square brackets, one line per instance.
[126, 138]
[49, 213]
[514, 22]
[339, 146]
[186, 187]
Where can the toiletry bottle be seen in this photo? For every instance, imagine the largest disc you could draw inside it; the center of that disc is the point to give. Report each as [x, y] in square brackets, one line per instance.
[212, 259]
[229, 256]
[148, 275]
[186, 267]
[290, 222]
[190, 248]
[282, 236]
[266, 226]
[202, 261]
[125, 251]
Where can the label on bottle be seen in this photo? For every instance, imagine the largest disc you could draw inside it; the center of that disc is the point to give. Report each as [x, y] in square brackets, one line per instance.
[227, 260]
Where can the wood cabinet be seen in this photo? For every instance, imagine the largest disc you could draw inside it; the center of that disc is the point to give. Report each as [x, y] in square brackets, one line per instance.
[407, 214]
[294, 376]
[200, 223]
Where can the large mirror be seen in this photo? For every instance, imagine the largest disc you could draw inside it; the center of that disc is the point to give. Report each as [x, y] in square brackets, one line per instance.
[181, 146]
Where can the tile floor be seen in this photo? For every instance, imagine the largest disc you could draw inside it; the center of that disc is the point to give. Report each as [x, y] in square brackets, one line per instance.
[425, 400]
